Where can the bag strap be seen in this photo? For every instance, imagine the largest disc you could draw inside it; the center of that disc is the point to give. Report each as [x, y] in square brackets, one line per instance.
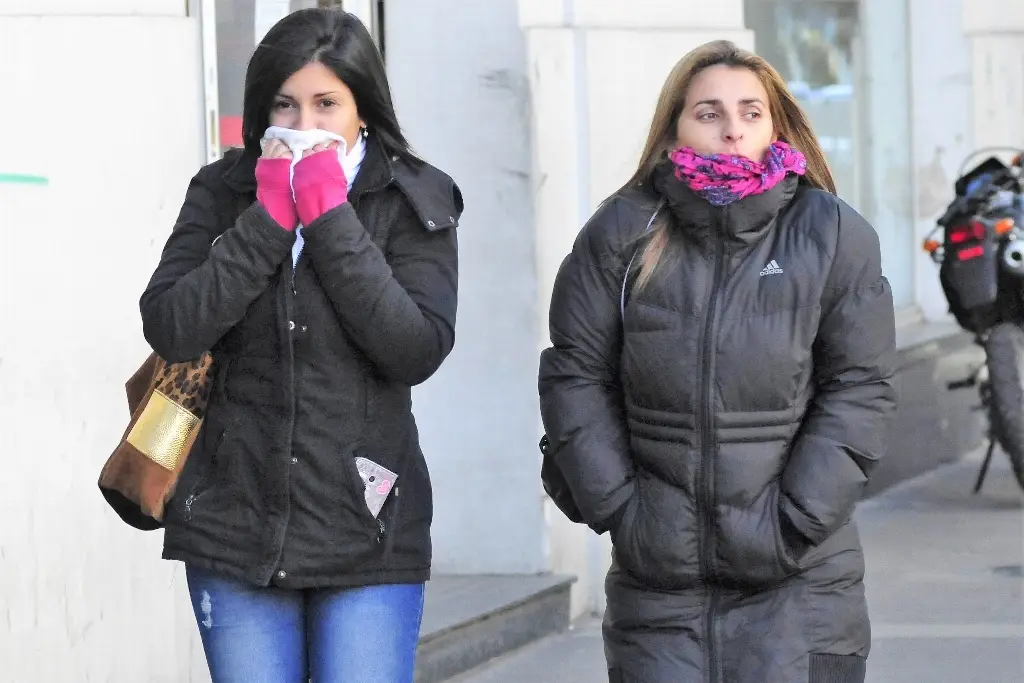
[629, 266]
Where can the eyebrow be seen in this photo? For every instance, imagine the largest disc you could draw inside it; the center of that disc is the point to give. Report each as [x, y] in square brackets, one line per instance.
[718, 103]
[319, 94]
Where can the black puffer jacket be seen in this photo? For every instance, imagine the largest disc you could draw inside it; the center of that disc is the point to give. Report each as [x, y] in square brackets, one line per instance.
[725, 430]
[315, 369]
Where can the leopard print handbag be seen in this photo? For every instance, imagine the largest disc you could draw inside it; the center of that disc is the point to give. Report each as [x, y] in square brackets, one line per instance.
[167, 402]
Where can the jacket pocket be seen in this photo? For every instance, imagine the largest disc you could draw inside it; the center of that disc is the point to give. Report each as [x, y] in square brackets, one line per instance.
[390, 514]
[202, 476]
[216, 421]
[358, 491]
[371, 391]
[752, 549]
[656, 541]
[826, 668]
[210, 478]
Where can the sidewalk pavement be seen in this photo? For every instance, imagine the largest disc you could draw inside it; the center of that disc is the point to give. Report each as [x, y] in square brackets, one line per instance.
[944, 586]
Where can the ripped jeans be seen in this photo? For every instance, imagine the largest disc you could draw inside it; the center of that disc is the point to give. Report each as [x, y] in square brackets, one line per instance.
[276, 635]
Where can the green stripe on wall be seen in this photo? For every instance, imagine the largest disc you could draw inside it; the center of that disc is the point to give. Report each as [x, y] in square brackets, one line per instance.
[22, 179]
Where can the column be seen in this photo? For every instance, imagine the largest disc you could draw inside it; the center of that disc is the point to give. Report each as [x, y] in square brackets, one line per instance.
[995, 29]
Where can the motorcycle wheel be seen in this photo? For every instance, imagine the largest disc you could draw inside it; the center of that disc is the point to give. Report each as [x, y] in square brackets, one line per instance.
[1004, 350]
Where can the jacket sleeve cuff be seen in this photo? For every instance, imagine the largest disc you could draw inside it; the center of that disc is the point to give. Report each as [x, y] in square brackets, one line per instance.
[266, 232]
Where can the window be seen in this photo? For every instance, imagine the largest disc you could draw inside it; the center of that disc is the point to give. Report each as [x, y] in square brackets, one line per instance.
[812, 46]
[846, 61]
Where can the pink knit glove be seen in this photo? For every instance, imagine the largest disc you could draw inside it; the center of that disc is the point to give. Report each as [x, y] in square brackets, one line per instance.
[274, 191]
[320, 185]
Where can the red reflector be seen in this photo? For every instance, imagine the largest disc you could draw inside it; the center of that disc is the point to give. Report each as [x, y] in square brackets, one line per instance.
[963, 233]
[960, 235]
[971, 252]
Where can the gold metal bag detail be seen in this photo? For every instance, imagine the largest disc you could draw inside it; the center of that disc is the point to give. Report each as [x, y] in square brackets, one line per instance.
[162, 431]
[167, 403]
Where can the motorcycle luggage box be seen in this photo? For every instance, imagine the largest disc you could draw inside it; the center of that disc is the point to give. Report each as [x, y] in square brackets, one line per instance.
[974, 281]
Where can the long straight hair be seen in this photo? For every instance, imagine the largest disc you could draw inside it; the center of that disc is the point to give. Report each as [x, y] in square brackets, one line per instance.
[339, 41]
[791, 124]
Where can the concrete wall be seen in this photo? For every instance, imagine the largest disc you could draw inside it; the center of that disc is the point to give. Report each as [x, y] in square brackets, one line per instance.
[596, 68]
[995, 29]
[457, 68]
[94, 8]
[886, 142]
[942, 129]
[102, 121]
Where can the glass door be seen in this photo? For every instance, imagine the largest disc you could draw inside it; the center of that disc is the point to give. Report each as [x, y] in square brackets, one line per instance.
[205, 12]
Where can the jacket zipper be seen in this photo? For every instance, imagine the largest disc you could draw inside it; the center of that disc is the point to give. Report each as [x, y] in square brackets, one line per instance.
[200, 489]
[295, 267]
[706, 487]
[395, 504]
[203, 485]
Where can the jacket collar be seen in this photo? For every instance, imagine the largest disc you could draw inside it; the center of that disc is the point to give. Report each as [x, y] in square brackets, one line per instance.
[742, 223]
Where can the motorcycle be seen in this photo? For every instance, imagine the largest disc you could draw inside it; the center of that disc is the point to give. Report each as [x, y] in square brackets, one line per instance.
[980, 255]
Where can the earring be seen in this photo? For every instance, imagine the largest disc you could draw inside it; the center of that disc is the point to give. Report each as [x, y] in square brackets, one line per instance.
[364, 132]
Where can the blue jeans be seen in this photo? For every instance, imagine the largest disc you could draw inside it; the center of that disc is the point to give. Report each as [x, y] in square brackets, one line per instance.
[275, 635]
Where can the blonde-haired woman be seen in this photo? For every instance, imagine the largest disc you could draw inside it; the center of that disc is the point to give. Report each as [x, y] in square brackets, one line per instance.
[717, 389]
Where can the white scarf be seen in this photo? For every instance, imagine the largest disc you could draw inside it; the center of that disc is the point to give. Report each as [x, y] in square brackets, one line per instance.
[298, 141]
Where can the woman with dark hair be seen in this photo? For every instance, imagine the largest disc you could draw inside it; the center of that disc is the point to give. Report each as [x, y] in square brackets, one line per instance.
[717, 390]
[319, 267]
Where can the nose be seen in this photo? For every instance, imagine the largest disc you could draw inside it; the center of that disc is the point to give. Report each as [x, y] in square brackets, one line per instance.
[732, 132]
[307, 119]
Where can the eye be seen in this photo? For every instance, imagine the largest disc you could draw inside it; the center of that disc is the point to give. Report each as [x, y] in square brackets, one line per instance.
[282, 104]
[707, 116]
[328, 103]
[753, 115]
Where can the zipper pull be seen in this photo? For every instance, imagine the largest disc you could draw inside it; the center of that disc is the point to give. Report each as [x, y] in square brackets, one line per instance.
[380, 534]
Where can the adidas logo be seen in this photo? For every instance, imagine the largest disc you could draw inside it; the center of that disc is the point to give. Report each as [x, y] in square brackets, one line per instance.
[773, 268]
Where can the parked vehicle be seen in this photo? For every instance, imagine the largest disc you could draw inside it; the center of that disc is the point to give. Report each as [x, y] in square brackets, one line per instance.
[980, 254]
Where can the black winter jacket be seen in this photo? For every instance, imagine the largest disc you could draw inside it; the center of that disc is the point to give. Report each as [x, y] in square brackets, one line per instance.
[724, 430]
[314, 369]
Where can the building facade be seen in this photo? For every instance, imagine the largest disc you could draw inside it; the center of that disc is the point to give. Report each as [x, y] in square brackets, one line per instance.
[538, 108]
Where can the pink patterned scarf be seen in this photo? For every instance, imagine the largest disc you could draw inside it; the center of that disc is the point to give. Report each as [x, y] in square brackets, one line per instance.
[724, 178]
